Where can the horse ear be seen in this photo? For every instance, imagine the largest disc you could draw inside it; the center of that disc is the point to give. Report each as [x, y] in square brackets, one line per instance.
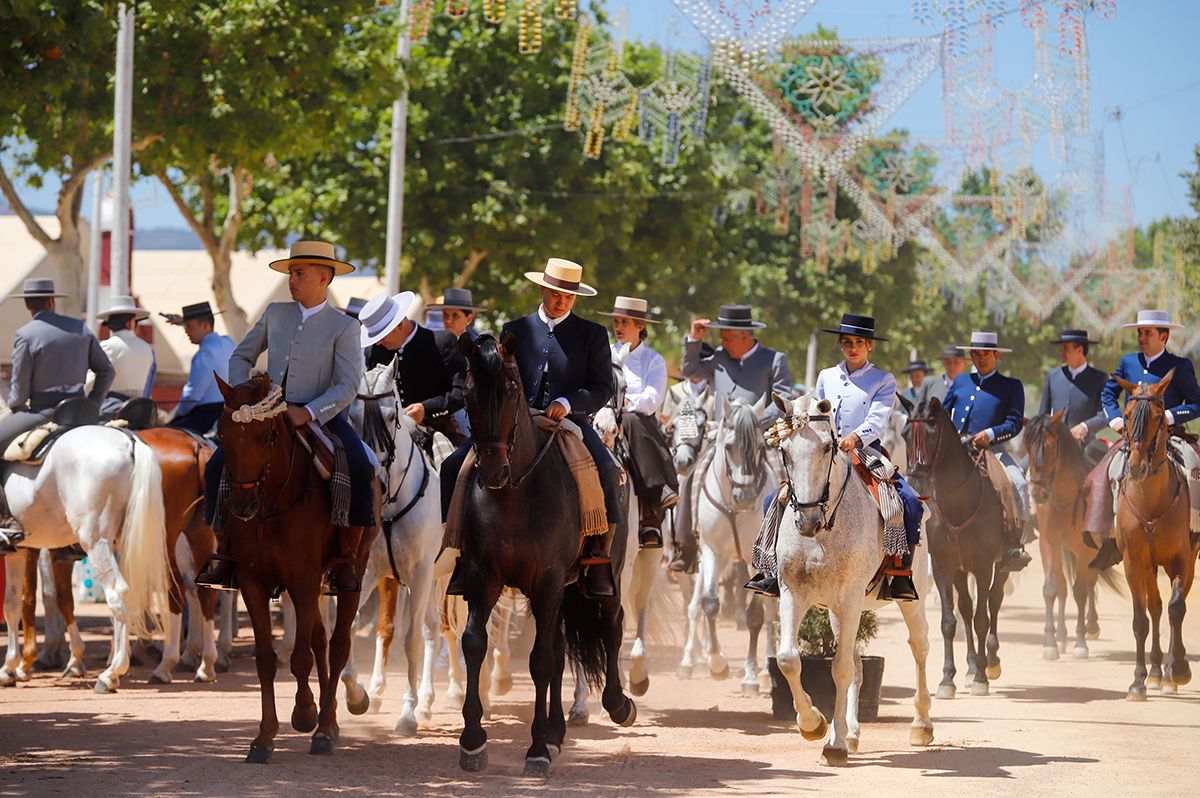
[1058, 417]
[1160, 387]
[779, 402]
[508, 345]
[761, 405]
[907, 405]
[824, 406]
[223, 387]
[1126, 385]
[935, 404]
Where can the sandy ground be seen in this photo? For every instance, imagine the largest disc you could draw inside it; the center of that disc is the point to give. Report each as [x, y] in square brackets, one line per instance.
[1048, 728]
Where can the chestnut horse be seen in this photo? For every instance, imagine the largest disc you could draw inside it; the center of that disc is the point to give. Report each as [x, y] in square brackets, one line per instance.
[521, 528]
[278, 520]
[1152, 532]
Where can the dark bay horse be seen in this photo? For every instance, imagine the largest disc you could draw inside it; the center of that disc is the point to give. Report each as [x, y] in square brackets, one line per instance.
[521, 529]
[1152, 532]
[965, 532]
[1057, 470]
[278, 519]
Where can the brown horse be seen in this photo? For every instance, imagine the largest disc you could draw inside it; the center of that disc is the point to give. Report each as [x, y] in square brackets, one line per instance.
[521, 529]
[277, 517]
[1152, 532]
[1057, 470]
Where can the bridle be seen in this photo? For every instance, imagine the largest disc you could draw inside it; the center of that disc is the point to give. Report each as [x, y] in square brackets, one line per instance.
[923, 460]
[1152, 450]
[267, 409]
[783, 430]
[504, 448]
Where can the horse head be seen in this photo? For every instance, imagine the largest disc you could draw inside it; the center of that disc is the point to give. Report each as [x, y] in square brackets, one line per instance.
[742, 450]
[1145, 431]
[495, 403]
[250, 425]
[373, 414]
[806, 437]
[687, 436]
[1048, 445]
[926, 434]
[606, 426]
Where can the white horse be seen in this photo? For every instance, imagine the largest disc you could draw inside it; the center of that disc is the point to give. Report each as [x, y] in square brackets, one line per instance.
[405, 552]
[830, 546]
[730, 493]
[102, 489]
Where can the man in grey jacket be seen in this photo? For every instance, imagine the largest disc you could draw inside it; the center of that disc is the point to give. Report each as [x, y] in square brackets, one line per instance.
[954, 360]
[741, 368]
[1076, 387]
[51, 358]
[313, 351]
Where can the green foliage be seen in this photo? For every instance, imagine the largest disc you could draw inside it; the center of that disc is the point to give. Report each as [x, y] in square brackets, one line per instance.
[816, 638]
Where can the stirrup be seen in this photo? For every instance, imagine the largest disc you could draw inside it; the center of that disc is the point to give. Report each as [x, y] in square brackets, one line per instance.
[331, 588]
[10, 538]
[227, 581]
[650, 537]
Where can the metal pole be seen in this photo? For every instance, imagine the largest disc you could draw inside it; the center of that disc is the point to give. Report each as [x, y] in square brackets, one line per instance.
[395, 222]
[122, 130]
[810, 363]
[94, 241]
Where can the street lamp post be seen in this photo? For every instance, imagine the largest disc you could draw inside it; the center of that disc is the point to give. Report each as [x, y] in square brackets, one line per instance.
[395, 222]
[122, 131]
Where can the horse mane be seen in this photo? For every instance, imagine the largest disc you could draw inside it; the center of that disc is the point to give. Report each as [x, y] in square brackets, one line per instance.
[1140, 424]
[745, 426]
[487, 374]
[1040, 428]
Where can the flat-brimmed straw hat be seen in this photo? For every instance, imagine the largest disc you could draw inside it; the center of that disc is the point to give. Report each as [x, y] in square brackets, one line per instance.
[1153, 318]
[38, 288]
[562, 275]
[856, 325]
[382, 314]
[456, 298]
[985, 342]
[631, 307]
[313, 253]
[736, 317]
[121, 306]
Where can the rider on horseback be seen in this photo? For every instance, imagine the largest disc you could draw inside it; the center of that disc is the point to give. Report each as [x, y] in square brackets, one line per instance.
[650, 465]
[132, 358]
[201, 402]
[862, 396]
[566, 370]
[313, 351]
[741, 368]
[987, 408]
[51, 359]
[1182, 399]
[1075, 388]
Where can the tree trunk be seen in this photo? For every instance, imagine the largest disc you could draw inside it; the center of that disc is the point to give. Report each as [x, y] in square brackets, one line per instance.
[235, 318]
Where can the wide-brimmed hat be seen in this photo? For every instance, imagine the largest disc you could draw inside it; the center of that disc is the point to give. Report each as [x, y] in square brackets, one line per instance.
[354, 306]
[457, 298]
[855, 324]
[38, 288]
[562, 275]
[382, 314]
[1154, 318]
[1073, 337]
[985, 342]
[736, 317]
[199, 310]
[953, 350]
[123, 305]
[631, 307]
[916, 365]
[314, 253]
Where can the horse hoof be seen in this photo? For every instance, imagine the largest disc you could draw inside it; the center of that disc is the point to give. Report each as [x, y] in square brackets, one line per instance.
[555, 750]
[979, 688]
[7, 681]
[104, 688]
[946, 692]
[749, 689]
[1153, 683]
[259, 755]
[993, 672]
[358, 705]
[1170, 688]
[375, 707]
[537, 767]
[920, 737]
[156, 679]
[1080, 652]
[1049, 653]
[639, 688]
[406, 727]
[502, 685]
[204, 677]
[1062, 646]
[304, 719]
[630, 715]
[1181, 674]
[578, 718]
[834, 757]
[684, 671]
[222, 665]
[819, 733]
[1093, 634]
[1136, 694]
[72, 672]
[473, 762]
[852, 745]
[322, 743]
[721, 674]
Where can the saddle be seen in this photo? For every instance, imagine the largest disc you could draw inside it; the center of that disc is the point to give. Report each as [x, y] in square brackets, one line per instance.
[139, 413]
[33, 446]
[877, 473]
[321, 447]
[996, 475]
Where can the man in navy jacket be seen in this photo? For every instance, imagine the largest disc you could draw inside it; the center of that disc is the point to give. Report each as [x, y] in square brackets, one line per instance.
[566, 370]
[988, 408]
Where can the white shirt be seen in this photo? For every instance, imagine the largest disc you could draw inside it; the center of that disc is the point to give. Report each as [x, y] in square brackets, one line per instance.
[308, 313]
[753, 349]
[1076, 372]
[552, 323]
[1151, 358]
[645, 377]
[862, 401]
[133, 360]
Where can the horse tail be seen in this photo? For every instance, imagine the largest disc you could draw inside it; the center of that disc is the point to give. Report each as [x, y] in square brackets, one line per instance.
[142, 547]
[585, 635]
[1108, 577]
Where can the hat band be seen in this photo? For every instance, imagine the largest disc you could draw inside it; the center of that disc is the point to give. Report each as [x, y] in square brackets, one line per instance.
[374, 325]
[850, 329]
[632, 314]
[567, 285]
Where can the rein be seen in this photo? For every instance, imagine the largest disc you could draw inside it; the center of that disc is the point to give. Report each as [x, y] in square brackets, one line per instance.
[506, 448]
[266, 410]
[827, 515]
[1138, 426]
[925, 463]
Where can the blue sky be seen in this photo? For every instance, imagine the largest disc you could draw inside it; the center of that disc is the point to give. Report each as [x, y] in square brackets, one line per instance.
[1143, 61]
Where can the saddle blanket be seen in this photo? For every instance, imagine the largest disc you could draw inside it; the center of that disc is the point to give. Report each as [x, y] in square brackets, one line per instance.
[877, 472]
[25, 445]
[593, 519]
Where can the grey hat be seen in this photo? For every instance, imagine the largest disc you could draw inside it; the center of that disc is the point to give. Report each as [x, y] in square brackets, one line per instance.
[458, 298]
[38, 288]
[736, 317]
[953, 350]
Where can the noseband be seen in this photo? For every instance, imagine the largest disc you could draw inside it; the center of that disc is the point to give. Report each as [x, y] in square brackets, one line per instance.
[265, 410]
[776, 437]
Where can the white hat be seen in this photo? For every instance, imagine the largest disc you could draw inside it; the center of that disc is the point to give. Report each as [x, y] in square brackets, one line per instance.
[382, 314]
[986, 342]
[631, 307]
[1154, 318]
[317, 253]
[123, 305]
[562, 275]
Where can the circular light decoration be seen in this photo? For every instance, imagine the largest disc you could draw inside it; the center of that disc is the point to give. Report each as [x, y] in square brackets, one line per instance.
[825, 90]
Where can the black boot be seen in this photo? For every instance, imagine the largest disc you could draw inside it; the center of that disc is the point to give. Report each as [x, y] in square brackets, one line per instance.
[650, 525]
[901, 587]
[1108, 556]
[763, 584]
[219, 572]
[458, 580]
[343, 569]
[598, 581]
[1014, 559]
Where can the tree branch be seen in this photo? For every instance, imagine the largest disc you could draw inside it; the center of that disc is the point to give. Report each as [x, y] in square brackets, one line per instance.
[233, 218]
[23, 213]
[472, 262]
[207, 237]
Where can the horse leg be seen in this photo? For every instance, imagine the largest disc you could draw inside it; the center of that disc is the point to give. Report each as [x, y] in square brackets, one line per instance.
[414, 645]
[966, 610]
[620, 708]
[645, 571]
[1093, 617]
[981, 622]
[994, 599]
[14, 584]
[472, 742]
[258, 607]
[1141, 628]
[113, 583]
[452, 634]
[173, 632]
[921, 731]
[754, 623]
[853, 730]
[770, 619]
[66, 607]
[1154, 607]
[847, 613]
[54, 626]
[385, 632]
[580, 714]
[206, 600]
[287, 643]
[501, 680]
[28, 615]
[1178, 671]
[710, 604]
[691, 645]
[945, 586]
[227, 613]
[304, 619]
[357, 700]
[1060, 638]
[432, 639]
[558, 725]
[547, 614]
[1083, 591]
[1051, 571]
[792, 607]
[332, 654]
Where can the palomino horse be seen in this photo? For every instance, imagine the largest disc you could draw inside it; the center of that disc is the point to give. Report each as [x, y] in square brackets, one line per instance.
[1057, 469]
[1152, 533]
[830, 547]
[403, 555]
[521, 528]
[100, 488]
[731, 490]
[965, 536]
[277, 518]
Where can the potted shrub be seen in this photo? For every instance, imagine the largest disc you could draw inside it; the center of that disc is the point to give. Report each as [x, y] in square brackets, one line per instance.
[817, 647]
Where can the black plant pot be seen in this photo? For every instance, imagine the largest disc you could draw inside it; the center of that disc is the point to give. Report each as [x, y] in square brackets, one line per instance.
[816, 677]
